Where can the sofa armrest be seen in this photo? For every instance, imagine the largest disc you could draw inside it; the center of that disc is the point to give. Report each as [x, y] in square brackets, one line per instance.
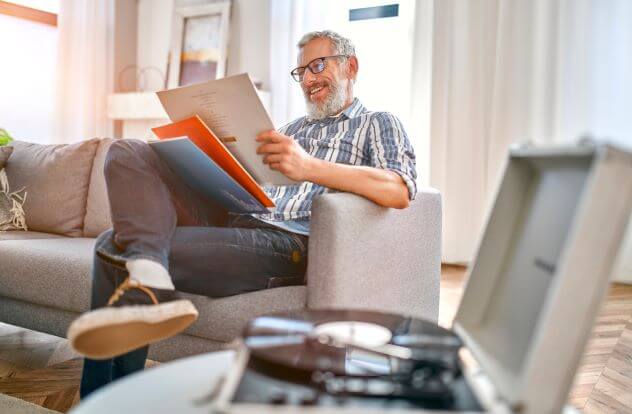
[363, 256]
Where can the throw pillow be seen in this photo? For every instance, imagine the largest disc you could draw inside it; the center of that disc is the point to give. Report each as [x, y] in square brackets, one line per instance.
[57, 178]
[11, 203]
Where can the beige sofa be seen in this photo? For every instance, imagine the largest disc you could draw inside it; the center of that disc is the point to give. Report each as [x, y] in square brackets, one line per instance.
[360, 255]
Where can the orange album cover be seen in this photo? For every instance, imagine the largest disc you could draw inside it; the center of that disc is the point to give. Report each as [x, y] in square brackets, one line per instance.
[197, 131]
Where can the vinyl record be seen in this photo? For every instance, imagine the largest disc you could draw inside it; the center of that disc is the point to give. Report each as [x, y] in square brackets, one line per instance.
[305, 345]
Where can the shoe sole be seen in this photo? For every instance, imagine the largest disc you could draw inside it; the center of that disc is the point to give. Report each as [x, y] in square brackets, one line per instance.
[109, 332]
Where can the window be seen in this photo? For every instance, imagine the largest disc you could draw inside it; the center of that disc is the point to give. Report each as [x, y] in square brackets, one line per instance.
[28, 48]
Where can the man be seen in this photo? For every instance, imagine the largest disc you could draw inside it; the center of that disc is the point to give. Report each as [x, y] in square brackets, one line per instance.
[166, 237]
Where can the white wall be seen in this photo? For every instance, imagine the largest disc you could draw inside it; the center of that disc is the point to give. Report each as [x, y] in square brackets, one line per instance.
[249, 39]
[249, 43]
[125, 35]
[154, 36]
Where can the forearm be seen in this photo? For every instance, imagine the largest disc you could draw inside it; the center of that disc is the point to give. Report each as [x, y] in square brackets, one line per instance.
[383, 187]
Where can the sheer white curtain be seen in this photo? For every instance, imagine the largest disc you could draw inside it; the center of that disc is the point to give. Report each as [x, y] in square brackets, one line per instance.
[504, 72]
[85, 69]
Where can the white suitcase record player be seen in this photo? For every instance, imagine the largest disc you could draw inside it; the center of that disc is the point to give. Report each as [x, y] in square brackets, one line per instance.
[540, 274]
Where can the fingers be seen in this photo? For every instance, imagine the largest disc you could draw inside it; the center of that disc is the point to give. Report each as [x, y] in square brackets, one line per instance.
[272, 158]
[270, 148]
[271, 136]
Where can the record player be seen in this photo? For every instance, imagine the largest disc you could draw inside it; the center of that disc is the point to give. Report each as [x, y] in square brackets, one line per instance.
[541, 271]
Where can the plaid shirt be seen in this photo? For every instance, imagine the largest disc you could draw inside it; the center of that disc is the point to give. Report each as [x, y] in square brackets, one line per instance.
[356, 136]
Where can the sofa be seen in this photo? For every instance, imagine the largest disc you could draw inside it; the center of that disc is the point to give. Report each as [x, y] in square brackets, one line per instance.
[361, 256]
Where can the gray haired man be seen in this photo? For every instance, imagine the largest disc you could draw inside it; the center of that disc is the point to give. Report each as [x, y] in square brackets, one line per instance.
[166, 238]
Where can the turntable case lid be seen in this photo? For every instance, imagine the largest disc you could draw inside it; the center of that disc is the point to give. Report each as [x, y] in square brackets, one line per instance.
[542, 269]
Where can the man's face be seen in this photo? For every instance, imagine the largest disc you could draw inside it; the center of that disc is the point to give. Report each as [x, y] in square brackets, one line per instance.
[327, 92]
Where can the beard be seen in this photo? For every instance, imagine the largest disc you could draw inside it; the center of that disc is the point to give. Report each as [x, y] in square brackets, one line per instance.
[332, 104]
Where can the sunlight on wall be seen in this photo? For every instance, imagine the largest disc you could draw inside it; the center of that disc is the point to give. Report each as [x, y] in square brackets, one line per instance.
[28, 52]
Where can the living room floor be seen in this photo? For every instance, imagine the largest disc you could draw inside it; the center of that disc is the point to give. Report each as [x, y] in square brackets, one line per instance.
[42, 369]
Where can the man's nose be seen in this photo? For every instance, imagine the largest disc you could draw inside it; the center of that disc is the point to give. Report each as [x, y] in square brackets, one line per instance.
[308, 77]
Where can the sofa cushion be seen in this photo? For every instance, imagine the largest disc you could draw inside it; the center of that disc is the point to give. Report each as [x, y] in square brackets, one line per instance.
[224, 319]
[98, 207]
[51, 272]
[27, 235]
[57, 179]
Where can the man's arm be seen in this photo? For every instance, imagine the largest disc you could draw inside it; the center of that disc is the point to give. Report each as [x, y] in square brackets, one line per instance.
[383, 187]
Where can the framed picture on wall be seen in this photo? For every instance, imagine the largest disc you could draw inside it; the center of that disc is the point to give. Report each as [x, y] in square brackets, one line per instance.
[199, 43]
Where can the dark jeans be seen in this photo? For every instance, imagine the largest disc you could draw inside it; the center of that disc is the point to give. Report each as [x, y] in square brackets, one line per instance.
[207, 251]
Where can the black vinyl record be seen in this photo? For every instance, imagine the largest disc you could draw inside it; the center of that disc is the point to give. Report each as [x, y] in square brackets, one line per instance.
[312, 345]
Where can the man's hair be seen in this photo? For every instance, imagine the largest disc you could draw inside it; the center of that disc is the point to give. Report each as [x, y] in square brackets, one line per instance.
[341, 45]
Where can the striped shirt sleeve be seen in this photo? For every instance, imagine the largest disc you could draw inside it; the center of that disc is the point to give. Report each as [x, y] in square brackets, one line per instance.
[390, 149]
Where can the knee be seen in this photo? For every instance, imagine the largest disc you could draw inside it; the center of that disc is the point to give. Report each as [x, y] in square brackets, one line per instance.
[124, 152]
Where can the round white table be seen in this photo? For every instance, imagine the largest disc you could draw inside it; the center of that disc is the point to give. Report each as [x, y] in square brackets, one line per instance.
[181, 386]
[184, 386]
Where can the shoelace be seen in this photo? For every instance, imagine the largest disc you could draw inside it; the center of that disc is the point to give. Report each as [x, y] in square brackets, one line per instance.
[131, 284]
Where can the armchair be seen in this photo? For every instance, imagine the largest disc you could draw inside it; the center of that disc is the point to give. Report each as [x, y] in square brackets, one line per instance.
[361, 256]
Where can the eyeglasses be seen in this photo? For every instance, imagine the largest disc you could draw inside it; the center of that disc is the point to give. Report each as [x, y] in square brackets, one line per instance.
[315, 66]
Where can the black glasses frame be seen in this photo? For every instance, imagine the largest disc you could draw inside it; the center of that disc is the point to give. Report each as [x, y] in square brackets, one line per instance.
[299, 72]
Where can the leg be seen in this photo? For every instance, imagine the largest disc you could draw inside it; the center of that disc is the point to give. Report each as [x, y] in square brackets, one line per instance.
[97, 373]
[222, 261]
[106, 275]
[147, 202]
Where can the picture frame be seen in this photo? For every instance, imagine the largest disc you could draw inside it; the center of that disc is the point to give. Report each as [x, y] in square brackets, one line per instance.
[199, 43]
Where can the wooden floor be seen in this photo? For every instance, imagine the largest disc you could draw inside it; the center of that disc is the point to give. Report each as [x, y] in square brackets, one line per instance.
[42, 369]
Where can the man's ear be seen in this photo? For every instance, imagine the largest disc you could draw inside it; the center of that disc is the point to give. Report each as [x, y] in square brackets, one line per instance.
[352, 67]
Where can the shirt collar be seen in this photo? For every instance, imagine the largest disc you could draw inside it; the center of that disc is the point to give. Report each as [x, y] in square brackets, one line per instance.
[355, 109]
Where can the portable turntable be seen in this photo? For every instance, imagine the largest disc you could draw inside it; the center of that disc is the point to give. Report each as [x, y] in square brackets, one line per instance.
[541, 271]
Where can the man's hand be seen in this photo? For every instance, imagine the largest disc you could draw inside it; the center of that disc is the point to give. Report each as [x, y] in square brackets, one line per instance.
[284, 154]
